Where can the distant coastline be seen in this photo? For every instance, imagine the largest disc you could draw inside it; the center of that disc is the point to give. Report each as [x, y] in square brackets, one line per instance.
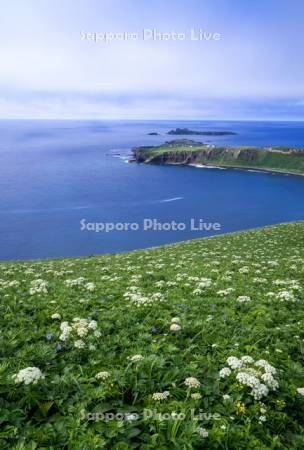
[276, 160]
[247, 169]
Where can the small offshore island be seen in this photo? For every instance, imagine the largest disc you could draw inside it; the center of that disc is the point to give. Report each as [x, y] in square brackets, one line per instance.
[186, 131]
[286, 160]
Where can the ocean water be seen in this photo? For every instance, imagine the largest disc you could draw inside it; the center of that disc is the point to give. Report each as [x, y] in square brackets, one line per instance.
[55, 174]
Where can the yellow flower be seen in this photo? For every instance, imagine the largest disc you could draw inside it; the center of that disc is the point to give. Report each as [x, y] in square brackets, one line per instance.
[240, 407]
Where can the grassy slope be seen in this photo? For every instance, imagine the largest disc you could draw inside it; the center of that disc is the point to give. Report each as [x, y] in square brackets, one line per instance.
[214, 327]
[280, 158]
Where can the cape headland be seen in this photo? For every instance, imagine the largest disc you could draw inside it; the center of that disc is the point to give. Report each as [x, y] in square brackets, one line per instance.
[287, 160]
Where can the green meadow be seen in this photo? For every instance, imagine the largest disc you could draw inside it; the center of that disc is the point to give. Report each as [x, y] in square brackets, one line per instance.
[195, 345]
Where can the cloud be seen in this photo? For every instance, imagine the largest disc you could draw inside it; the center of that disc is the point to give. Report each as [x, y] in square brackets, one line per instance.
[47, 69]
[140, 105]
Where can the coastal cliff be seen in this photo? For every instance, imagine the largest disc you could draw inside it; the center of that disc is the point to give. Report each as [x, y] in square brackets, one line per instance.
[278, 159]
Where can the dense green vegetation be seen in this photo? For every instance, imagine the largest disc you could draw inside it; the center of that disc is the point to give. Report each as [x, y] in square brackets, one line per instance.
[280, 159]
[205, 335]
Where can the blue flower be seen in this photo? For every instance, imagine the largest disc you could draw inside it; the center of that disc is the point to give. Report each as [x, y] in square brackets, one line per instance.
[58, 347]
[49, 336]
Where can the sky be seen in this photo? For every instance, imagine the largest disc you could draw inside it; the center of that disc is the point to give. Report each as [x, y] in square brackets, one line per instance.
[249, 64]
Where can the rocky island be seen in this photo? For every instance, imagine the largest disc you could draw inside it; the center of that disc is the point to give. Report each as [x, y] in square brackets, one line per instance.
[186, 131]
[188, 152]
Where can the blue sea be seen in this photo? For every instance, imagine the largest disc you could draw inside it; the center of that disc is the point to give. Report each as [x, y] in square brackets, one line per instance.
[55, 174]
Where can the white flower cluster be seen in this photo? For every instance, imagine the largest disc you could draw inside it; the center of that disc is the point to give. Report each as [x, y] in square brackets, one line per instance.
[65, 331]
[102, 375]
[257, 375]
[286, 296]
[292, 284]
[243, 299]
[175, 320]
[175, 324]
[204, 283]
[8, 284]
[300, 391]
[28, 375]
[136, 358]
[77, 282]
[38, 287]
[196, 396]
[90, 286]
[79, 328]
[225, 292]
[138, 299]
[79, 343]
[56, 316]
[225, 372]
[158, 396]
[192, 382]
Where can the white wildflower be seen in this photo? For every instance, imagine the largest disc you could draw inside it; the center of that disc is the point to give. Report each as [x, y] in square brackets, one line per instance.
[38, 287]
[243, 299]
[192, 382]
[56, 316]
[158, 396]
[92, 325]
[260, 391]
[225, 292]
[175, 320]
[90, 287]
[257, 375]
[234, 362]
[286, 296]
[175, 327]
[79, 343]
[247, 359]
[102, 375]
[28, 375]
[66, 330]
[196, 396]
[225, 372]
[136, 358]
[247, 379]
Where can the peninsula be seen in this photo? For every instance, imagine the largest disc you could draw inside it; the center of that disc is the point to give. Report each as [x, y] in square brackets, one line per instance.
[188, 152]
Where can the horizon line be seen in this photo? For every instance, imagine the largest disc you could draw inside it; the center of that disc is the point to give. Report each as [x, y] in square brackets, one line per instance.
[151, 119]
